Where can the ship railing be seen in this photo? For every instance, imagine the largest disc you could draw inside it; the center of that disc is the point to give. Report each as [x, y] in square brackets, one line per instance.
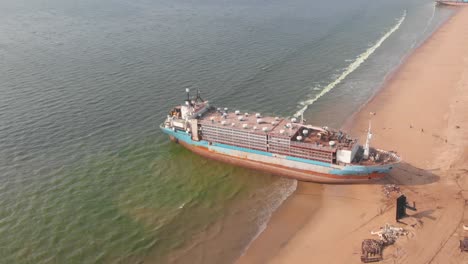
[312, 146]
[327, 159]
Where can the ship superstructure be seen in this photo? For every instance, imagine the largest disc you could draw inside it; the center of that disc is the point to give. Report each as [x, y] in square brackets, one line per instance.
[282, 146]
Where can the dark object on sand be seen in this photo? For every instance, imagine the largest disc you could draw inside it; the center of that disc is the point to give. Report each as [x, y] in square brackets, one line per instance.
[464, 244]
[401, 207]
[371, 250]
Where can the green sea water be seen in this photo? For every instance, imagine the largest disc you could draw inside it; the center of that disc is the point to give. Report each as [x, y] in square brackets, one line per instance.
[86, 176]
[116, 207]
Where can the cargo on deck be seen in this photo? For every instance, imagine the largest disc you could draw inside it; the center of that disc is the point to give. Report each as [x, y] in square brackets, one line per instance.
[288, 147]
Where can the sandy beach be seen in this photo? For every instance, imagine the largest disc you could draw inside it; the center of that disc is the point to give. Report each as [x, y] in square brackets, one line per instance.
[421, 112]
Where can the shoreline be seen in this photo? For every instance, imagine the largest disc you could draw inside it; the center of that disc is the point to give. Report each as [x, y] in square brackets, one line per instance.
[429, 175]
[274, 235]
[391, 74]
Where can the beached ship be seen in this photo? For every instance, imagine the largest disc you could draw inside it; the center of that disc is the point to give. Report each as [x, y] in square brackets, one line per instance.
[452, 2]
[286, 147]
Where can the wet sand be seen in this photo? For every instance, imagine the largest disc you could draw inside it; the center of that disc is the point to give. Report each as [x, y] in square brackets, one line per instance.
[421, 113]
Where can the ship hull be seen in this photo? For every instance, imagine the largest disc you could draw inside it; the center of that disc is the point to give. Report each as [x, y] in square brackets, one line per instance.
[452, 3]
[291, 167]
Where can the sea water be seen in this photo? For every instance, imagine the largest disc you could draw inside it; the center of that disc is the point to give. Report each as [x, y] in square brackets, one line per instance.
[86, 176]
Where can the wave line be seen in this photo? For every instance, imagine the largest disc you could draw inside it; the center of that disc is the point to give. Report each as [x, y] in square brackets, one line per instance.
[352, 67]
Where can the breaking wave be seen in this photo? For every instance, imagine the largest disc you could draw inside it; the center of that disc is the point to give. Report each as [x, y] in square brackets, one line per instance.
[430, 19]
[353, 66]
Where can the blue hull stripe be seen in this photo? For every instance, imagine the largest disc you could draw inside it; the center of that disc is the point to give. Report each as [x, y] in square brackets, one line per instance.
[314, 162]
[344, 170]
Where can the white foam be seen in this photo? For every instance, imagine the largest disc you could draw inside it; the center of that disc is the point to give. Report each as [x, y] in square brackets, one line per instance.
[430, 19]
[417, 42]
[352, 67]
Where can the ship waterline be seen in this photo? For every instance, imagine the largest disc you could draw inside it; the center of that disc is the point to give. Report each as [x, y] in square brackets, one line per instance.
[285, 147]
[284, 166]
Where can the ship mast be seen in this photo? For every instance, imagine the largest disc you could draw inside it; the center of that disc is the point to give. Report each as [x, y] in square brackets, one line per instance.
[368, 138]
[188, 103]
[199, 96]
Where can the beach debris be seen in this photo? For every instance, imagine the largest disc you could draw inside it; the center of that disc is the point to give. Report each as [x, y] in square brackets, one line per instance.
[371, 250]
[465, 227]
[457, 127]
[401, 207]
[388, 234]
[464, 244]
[388, 189]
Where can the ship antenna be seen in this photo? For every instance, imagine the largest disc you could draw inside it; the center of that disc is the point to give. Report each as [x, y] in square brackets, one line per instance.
[369, 136]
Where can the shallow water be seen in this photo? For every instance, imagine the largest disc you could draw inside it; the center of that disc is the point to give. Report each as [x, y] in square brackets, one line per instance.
[86, 175]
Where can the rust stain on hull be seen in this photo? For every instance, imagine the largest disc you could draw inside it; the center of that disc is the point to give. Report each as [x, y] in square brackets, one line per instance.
[292, 173]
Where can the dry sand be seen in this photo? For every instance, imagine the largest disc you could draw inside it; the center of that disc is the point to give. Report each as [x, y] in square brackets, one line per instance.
[422, 113]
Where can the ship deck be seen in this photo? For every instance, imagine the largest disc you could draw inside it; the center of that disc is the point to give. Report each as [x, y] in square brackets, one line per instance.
[296, 139]
[273, 125]
[316, 137]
